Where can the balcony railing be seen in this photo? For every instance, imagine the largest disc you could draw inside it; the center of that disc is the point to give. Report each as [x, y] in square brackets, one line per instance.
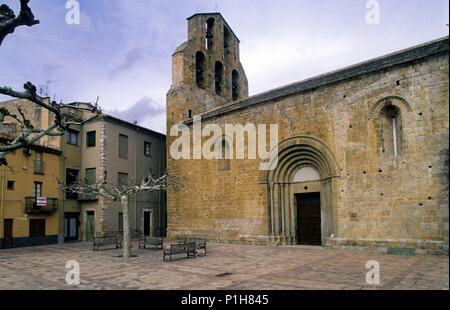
[31, 206]
[87, 197]
[39, 167]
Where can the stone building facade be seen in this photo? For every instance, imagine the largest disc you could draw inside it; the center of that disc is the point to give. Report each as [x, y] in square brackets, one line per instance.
[126, 153]
[106, 145]
[363, 151]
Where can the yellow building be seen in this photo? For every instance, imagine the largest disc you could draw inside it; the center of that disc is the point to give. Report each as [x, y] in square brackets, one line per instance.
[132, 152]
[29, 189]
[29, 197]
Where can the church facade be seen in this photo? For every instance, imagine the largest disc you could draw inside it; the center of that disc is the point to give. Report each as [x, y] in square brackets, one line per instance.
[362, 152]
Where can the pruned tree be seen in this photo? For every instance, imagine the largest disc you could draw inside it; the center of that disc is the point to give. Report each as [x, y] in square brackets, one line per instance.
[123, 194]
[27, 134]
[9, 21]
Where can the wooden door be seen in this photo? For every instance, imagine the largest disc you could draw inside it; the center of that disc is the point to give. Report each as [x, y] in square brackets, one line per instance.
[8, 233]
[147, 223]
[309, 231]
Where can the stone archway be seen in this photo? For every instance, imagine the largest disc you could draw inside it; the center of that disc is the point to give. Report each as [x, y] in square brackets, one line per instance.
[294, 154]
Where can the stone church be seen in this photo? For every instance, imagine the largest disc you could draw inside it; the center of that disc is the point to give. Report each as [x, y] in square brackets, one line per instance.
[362, 153]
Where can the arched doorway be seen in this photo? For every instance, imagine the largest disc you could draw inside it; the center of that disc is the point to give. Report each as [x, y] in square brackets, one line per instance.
[300, 192]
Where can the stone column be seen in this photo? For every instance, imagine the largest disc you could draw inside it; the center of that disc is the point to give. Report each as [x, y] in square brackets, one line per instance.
[276, 212]
[293, 218]
[272, 224]
[288, 208]
[282, 206]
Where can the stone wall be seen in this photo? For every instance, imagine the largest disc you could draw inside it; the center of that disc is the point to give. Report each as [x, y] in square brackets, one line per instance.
[370, 198]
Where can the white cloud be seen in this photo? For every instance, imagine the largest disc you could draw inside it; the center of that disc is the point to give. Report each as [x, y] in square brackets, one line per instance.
[291, 57]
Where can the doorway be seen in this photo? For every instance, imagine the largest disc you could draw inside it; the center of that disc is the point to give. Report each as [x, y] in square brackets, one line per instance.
[147, 223]
[90, 226]
[8, 233]
[309, 228]
[71, 226]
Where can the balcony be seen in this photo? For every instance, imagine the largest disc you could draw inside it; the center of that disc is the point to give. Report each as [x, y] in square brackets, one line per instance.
[31, 206]
[87, 197]
[38, 167]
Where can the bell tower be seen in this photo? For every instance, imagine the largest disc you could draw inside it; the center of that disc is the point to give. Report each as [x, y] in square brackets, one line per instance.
[206, 69]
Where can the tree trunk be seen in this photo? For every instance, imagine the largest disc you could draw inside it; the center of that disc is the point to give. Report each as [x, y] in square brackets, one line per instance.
[126, 228]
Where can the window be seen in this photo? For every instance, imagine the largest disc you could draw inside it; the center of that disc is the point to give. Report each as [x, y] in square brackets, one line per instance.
[235, 85]
[147, 149]
[200, 69]
[71, 178]
[120, 221]
[90, 176]
[37, 114]
[390, 130]
[10, 185]
[123, 146]
[37, 228]
[122, 180]
[38, 163]
[190, 113]
[90, 139]
[73, 137]
[219, 78]
[209, 33]
[37, 189]
[38, 156]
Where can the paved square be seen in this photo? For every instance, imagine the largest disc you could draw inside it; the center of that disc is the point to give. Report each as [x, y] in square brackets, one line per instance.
[224, 267]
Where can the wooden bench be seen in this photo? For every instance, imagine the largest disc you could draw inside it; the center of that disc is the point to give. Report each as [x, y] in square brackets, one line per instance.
[155, 242]
[200, 243]
[107, 240]
[187, 248]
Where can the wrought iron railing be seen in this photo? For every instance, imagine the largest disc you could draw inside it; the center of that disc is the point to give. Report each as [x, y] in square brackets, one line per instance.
[32, 207]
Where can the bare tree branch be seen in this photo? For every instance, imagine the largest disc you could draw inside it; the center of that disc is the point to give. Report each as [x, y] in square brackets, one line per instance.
[26, 135]
[9, 22]
[30, 135]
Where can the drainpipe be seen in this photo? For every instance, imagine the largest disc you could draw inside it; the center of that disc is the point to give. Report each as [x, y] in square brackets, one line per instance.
[62, 195]
[2, 201]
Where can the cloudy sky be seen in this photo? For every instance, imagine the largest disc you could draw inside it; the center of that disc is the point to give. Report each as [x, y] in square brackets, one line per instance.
[121, 51]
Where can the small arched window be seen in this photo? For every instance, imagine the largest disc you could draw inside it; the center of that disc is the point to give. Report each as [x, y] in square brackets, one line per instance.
[209, 33]
[219, 78]
[200, 69]
[390, 127]
[226, 39]
[235, 85]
